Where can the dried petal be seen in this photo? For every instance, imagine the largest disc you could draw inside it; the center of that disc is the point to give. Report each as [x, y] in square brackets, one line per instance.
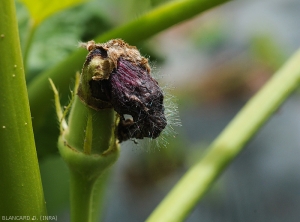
[116, 75]
[136, 93]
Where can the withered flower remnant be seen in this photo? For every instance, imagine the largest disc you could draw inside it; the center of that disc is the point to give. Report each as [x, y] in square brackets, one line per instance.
[115, 75]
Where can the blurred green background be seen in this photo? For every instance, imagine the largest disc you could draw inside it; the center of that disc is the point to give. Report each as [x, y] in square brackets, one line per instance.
[213, 63]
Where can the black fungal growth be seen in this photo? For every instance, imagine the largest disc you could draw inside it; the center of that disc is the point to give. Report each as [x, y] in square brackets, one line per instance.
[129, 89]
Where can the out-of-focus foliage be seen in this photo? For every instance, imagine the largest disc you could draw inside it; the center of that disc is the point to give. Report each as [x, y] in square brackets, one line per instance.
[59, 35]
[265, 49]
[42, 9]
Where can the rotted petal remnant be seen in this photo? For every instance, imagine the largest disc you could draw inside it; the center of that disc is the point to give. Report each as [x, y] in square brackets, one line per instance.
[120, 78]
[136, 93]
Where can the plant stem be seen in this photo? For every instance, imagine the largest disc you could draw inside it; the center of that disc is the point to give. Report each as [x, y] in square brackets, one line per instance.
[99, 190]
[159, 19]
[21, 191]
[81, 197]
[89, 148]
[86, 196]
[195, 183]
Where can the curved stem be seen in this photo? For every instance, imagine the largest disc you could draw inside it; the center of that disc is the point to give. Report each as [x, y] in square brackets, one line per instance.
[195, 183]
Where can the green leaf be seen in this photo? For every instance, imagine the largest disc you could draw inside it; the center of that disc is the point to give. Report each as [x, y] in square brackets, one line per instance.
[42, 9]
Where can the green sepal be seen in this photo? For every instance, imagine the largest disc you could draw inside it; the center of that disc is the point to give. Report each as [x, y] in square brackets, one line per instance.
[89, 166]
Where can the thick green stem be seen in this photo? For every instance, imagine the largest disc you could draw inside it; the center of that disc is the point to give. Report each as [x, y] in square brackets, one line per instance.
[21, 192]
[229, 144]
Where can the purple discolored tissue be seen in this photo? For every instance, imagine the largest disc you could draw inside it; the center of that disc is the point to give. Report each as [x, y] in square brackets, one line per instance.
[120, 78]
